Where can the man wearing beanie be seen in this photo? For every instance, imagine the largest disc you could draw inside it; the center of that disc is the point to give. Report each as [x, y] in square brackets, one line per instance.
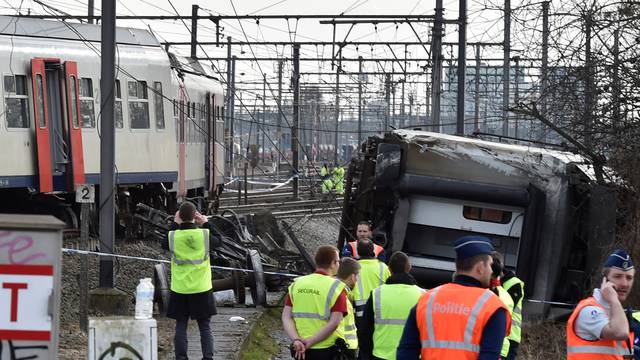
[598, 327]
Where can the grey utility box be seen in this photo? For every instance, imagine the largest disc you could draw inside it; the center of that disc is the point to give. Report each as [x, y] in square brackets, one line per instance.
[30, 272]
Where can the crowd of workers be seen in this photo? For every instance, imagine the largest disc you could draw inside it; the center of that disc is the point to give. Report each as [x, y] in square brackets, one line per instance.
[332, 181]
[361, 306]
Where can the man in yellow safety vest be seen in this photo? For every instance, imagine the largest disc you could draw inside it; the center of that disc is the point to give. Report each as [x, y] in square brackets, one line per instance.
[387, 310]
[348, 273]
[515, 288]
[314, 308]
[191, 290]
[497, 269]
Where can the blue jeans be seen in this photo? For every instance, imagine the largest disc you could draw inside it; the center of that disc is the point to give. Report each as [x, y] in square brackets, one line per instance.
[206, 338]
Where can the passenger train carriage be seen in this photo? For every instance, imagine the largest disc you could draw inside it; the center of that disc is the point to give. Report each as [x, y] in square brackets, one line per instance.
[168, 120]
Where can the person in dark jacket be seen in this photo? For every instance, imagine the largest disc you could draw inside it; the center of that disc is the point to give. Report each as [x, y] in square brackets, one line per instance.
[190, 242]
[400, 267]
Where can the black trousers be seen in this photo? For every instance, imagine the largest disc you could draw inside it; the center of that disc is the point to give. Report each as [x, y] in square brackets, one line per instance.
[206, 338]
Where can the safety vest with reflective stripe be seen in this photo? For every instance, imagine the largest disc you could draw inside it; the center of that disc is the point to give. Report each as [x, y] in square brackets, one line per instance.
[392, 304]
[580, 349]
[451, 319]
[373, 273]
[349, 325]
[508, 301]
[312, 297]
[190, 263]
[377, 249]
[516, 315]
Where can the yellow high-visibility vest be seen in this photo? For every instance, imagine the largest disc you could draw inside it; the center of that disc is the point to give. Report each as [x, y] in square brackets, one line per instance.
[392, 304]
[190, 262]
[313, 296]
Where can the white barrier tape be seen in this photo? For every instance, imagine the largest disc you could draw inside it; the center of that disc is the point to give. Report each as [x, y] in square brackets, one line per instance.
[277, 186]
[86, 252]
[231, 182]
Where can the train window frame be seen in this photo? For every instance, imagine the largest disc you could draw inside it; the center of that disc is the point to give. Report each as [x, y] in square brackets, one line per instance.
[87, 98]
[73, 90]
[24, 101]
[158, 106]
[135, 99]
[119, 113]
[507, 215]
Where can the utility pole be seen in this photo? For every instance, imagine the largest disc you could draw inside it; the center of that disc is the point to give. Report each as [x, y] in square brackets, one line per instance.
[360, 100]
[296, 116]
[588, 80]
[545, 67]
[232, 111]
[227, 115]
[394, 120]
[335, 136]
[404, 81]
[264, 113]
[279, 121]
[411, 108]
[194, 30]
[516, 96]
[387, 99]
[476, 107]
[90, 8]
[436, 71]
[107, 141]
[505, 68]
[462, 67]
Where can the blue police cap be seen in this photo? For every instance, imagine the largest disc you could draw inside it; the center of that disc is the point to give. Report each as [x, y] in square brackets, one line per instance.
[619, 259]
[469, 246]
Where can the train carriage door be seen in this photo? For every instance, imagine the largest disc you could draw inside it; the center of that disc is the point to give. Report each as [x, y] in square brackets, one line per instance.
[209, 153]
[182, 151]
[73, 123]
[38, 82]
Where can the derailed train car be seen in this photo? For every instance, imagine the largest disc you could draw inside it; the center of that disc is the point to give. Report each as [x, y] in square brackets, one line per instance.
[542, 208]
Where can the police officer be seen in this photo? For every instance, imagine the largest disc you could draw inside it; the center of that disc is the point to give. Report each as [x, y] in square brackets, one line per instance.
[314, 308]
[515, 288]
[348, 273]
[438, 326]
[364, 230]
[498, 268]
[387, 309]
[191, 291]
[598, 327]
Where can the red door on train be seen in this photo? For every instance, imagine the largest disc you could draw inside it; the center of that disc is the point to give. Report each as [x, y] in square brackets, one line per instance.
[73, 122]
[58, 128]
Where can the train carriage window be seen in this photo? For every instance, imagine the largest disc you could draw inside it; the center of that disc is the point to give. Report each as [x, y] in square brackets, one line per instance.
[203, 124]
[138, 104]
[74, 102]
[87, 110]
[487, 214]
[42, 122]
[118, 104]
[16, 100]
[158, 104]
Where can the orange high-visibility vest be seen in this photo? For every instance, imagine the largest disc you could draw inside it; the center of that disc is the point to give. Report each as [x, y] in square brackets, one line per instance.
[451, 319]
[377, 249]
[580, 349]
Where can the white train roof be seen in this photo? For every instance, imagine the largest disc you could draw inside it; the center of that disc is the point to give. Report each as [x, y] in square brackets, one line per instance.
[506, 159]
[11, 25]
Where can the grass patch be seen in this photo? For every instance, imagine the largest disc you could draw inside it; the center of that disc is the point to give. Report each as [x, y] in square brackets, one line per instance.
[259, 344]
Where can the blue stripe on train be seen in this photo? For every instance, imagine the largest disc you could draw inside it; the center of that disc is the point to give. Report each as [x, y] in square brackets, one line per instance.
[26, 181]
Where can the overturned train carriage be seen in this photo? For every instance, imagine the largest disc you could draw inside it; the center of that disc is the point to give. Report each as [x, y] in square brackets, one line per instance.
[543, 208]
